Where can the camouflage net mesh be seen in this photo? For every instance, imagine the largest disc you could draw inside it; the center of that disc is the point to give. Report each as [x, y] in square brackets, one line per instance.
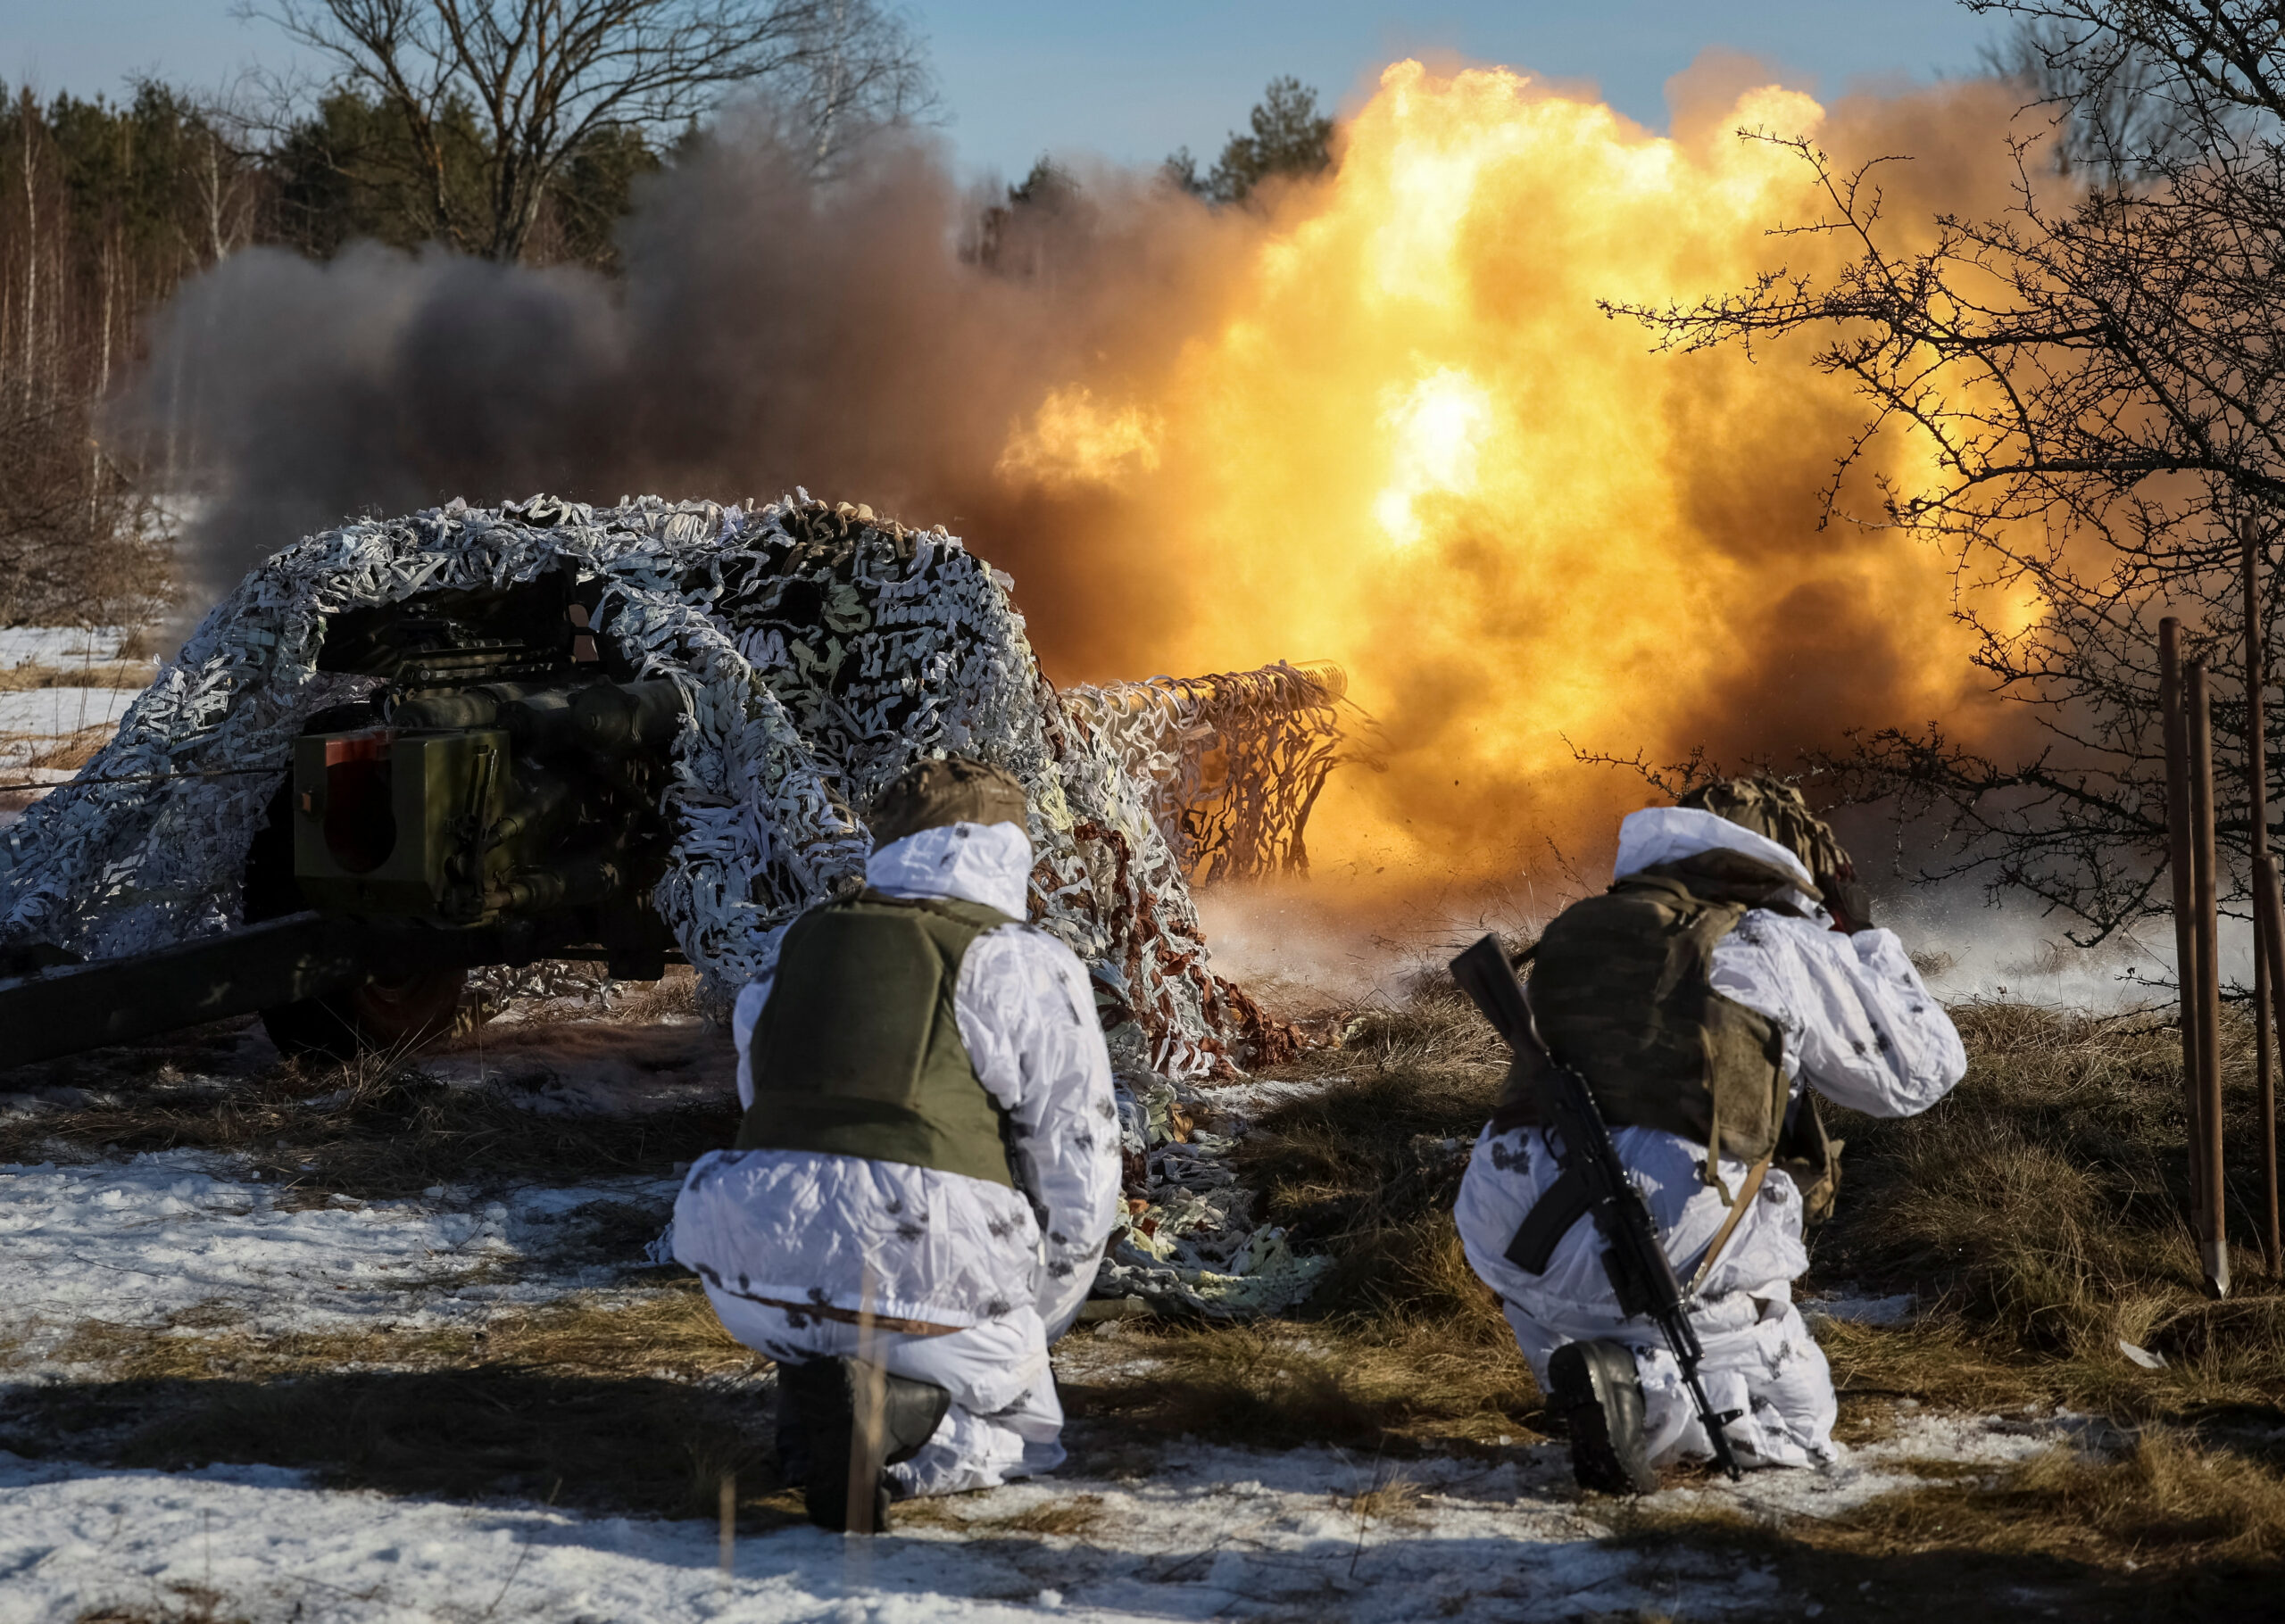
[1234, 761]
[823, 651]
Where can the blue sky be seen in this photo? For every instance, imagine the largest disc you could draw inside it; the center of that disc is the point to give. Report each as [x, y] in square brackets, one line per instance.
[1130, 79]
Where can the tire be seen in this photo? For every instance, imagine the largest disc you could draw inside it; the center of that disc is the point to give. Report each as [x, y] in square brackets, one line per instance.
[389, 1014]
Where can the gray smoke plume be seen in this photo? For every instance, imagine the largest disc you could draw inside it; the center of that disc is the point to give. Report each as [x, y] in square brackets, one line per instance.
[860, 337]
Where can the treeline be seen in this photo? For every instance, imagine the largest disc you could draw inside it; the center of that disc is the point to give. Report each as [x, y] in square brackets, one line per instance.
[107, 206]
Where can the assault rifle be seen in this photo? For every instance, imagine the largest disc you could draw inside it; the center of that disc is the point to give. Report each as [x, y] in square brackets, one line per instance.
[1640, 1272]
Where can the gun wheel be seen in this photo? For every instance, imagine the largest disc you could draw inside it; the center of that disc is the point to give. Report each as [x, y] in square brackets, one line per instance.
[387, 1014]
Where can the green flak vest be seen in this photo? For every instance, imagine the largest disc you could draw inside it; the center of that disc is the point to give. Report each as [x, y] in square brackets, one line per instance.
[859, 1050]
[1620, 990]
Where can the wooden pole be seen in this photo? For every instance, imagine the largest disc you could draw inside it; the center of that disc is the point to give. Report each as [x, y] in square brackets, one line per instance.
[727, 1500]
[2214, 1252]
[2266, 962]
[2182, 859]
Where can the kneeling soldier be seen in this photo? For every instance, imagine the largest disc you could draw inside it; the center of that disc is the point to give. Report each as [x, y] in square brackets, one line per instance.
[928, 1166]
[1729, 968]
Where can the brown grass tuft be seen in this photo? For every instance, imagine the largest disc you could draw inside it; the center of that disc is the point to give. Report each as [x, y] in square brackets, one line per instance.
[183, 1603]
[1398, 1501]
[73, 750]
[125, 673]
[2167, 1497]
[639, 1003]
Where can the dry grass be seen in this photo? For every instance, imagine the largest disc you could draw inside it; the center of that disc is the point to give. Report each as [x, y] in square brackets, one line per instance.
[2167, 1495]
[2039, 1208]
[120, 674]
[2171, 1528]
[663, 1330]
[1061, 1517]
[72, 750]
[1402, 1347]
[176, 1602]
[1398, 1502]
[375, 1128]
[674, 993]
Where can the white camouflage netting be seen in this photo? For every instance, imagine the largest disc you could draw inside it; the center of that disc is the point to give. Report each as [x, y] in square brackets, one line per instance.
[823, 651]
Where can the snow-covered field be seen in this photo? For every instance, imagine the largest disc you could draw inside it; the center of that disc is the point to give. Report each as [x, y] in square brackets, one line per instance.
[1209, 1533]
[150, 1239]
[59, 645]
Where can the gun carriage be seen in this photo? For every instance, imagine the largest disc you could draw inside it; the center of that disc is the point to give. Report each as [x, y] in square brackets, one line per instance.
[494, 799]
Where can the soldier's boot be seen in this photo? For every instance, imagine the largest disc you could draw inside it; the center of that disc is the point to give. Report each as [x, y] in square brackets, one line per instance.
[845, 1480]
[793, 1434]
[1597, 1395]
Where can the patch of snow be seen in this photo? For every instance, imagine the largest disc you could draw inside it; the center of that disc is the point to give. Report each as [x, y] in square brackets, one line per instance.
[1979, 1445]
[1855, 1310]
[59, 645]
[140, 1242]
[1213, 1532]
[52, 712]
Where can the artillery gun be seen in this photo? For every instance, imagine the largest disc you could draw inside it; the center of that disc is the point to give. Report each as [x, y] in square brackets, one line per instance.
[497, 791]
[494, 799]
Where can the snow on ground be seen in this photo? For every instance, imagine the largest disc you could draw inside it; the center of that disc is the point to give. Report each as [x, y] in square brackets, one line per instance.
[142, 1242]
[52, 712]
[1208, 1532]
[1151, 1527]
[59, 645]
[1860, 1310]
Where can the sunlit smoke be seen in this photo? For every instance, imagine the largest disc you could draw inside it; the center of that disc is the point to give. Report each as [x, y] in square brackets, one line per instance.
[1417, 445]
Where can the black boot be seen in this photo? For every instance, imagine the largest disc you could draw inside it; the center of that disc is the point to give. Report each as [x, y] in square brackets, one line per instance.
[828, 1396]
[1597, 1395]
[793, 1434]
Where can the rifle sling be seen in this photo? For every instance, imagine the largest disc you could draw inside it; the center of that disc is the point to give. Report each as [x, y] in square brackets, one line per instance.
[1550, 1219]
[1747, 1192]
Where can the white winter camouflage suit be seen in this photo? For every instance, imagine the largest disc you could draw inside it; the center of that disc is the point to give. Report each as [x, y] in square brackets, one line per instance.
[1861, 1028]
[764, 1227]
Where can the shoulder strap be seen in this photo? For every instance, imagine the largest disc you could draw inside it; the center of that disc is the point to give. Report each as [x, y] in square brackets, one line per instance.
[1747, 1192]
[979, 916]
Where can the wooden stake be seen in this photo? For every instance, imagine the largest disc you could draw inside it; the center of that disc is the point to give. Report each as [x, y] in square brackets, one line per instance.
[2182, 859]
[2266, 962]
[2214, 1252]
[729, 1498]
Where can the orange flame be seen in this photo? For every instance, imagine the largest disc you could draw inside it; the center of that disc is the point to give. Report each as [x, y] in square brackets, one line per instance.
[1415, 445]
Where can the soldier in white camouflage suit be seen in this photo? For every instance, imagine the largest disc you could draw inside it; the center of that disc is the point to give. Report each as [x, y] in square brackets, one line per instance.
[928, 1168]
[1731, 968]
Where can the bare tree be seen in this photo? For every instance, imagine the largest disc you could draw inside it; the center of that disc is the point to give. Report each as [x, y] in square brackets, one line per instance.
[525, 82]
[2097, 373]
